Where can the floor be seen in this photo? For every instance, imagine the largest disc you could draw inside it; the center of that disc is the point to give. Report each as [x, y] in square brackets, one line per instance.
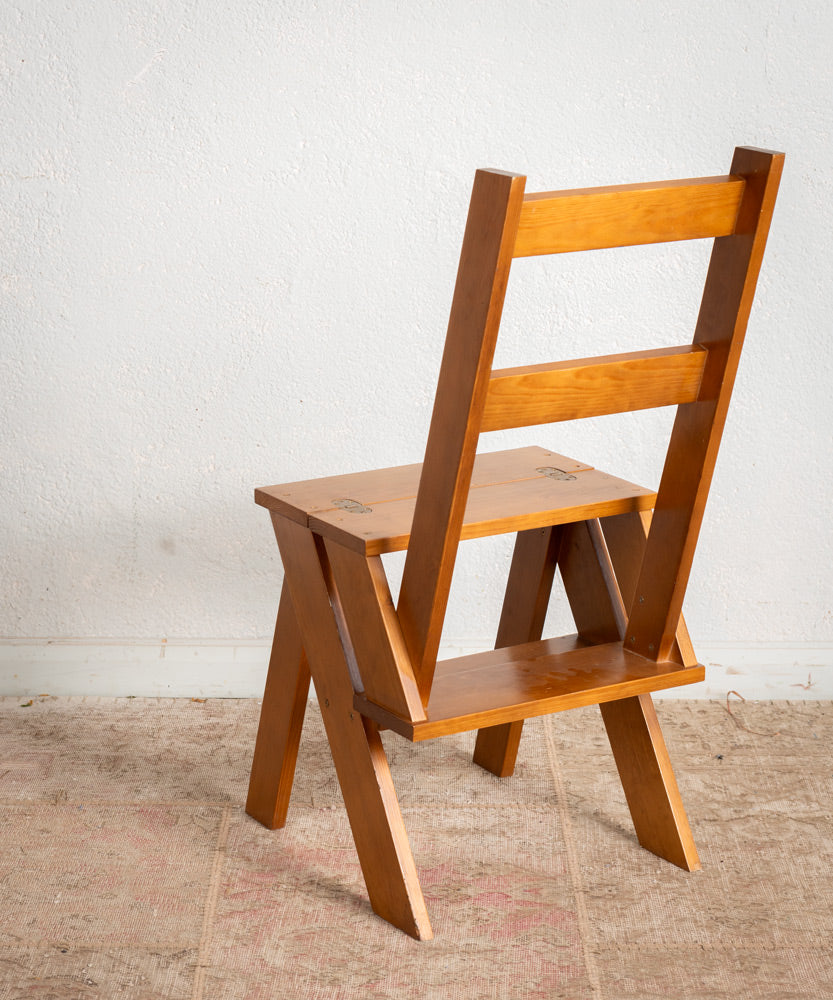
[128, 868]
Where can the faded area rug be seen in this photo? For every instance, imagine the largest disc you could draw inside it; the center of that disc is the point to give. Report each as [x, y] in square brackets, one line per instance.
[128, 868]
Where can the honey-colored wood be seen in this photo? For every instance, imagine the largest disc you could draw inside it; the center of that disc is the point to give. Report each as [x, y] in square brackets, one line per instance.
[624, 571]
[514, 490]
[651, 789]
[625, 536]
[361, 765]
[590, 583]
[504, 507]
[522, 620]
[695, 438]
[639, 750]
[311, 496]
[528, 680]
[591, 387]
[299, 501]
[455, 423]
[382, 659]
[281, 721]
[628, 214]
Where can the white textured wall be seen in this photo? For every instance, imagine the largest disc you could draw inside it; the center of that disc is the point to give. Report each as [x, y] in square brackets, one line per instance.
[229, 239]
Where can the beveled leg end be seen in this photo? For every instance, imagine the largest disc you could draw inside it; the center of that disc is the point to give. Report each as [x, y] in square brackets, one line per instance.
[496, 749]
[648, 780]
[272, 819]
[414, 924]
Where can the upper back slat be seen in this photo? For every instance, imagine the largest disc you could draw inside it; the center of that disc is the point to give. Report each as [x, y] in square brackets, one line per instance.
[628, 214]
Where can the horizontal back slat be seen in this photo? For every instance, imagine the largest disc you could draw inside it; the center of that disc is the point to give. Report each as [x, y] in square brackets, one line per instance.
[591, 387]
[628, 214]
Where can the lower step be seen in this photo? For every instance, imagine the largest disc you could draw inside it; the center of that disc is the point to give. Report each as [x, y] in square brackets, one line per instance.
[536, 678]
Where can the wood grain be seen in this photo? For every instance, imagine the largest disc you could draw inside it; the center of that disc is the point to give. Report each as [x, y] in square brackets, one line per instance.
[532, 679]
[633, 730]
[590, 583]
[522, 618]
[376, 638]
[590, 387]
[647, 777]
[628, 214]
[695, 438]
[524, 504]
[626, 536]
[316, 496]
[361, 765]
[281, 721]
[476, 309]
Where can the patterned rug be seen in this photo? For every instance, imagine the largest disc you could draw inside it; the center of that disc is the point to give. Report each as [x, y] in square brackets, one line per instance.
[128, 868]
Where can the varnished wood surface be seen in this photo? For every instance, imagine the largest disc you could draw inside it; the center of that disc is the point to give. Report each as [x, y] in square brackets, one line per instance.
[281, 721]
[332, 531]
[522, 619]
[508, 494]
[537, 678]
[362, 768]
[476, 309]
[625, 537]
[377, 486]
[590, 584]
[590, 387]
[695, 438]
[593, 576]
[298, 500]
[628, 214]
[370, 618]
[505, 507]
[648, 780]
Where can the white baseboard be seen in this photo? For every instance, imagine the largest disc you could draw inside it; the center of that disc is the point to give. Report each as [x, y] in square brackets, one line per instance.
[234, 668]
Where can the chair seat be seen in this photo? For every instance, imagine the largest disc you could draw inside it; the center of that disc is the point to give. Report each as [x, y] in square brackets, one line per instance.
[372, 512]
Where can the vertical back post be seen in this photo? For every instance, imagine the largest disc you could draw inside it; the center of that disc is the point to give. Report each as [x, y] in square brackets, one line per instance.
[692, 452]
[476, 309]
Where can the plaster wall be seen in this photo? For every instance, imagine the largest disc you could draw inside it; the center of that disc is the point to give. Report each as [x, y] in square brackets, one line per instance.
[229, 239]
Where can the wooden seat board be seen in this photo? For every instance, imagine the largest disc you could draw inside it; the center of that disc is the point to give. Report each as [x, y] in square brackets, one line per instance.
[491, 510]
[535, 678]
[509, 492]
[314, 496]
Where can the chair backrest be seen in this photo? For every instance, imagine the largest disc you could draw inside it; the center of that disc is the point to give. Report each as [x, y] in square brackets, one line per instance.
[504, 223]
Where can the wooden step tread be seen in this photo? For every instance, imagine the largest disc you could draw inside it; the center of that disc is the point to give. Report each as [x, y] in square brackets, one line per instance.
[536, 678]
[512, 490]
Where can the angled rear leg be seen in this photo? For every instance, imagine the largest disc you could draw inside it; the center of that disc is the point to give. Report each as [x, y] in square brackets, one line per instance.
[281, 720]
[632, 727]
[522, 620]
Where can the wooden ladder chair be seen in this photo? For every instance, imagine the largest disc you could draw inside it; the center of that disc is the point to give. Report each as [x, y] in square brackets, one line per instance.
[624, 552]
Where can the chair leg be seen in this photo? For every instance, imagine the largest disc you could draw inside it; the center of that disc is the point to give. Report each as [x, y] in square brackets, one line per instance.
[281, 721]
[632, 726]
[522, 620]
[626, 536]
[648, 780]
[358, 754]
